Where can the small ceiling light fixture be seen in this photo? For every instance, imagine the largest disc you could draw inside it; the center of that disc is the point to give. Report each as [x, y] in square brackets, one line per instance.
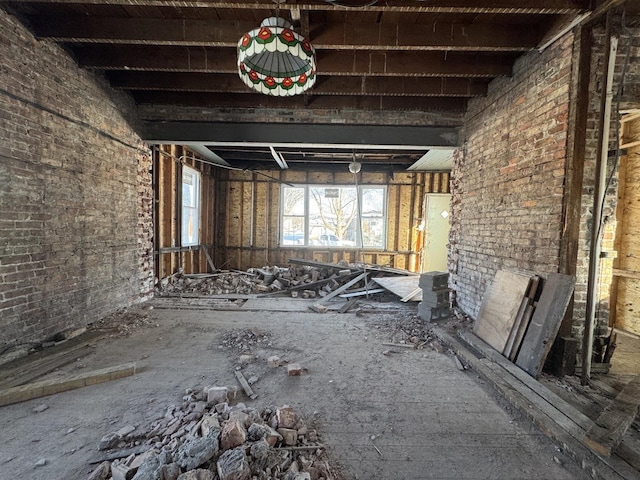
[275, 60]
[355, 167]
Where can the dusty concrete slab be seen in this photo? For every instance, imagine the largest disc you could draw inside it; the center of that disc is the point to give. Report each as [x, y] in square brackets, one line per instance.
[410, 415]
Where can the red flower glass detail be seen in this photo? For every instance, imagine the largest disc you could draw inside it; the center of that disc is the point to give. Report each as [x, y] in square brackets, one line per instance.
[253, 76]
[287, 83]
[287, 36]
[264, 34]
[270, 82]
[303, 79]
[246, 40]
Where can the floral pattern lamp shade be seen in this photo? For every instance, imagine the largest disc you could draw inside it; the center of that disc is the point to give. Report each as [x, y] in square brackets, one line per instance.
[275, 60]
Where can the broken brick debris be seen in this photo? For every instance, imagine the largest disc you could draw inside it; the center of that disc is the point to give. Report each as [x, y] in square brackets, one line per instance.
[294, 370]
[192, 442]
[301, 279]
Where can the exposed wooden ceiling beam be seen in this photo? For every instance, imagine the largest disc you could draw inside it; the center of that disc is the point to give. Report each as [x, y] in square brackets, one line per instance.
[330, 62]
[551, 7]
[372, 36]
[230, 83]
[335, 102]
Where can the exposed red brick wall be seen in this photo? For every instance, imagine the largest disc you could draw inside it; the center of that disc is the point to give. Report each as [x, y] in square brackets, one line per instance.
[508, 183]
[75, 199]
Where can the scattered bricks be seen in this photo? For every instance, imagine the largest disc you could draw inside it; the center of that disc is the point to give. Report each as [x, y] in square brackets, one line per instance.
[286, 417]
[40, 408]
[196, 451]
[101, 472]
[259, 432]
[233, 435]
[124, 431]
[246, 359]
[120, 471]
[273, 361]
[294, 370]
[217, 395]
[209, 422]
[289, 436]
[233, 465]
[169, 472]
[199, 474]
[110, 440]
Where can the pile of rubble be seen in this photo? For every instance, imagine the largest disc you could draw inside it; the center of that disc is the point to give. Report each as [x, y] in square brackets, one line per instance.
[123, 322]
[244, 341]
[300, 280]
[207, 439]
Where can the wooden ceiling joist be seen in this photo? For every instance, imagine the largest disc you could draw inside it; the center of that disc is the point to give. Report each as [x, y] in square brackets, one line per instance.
[228, 83]
[189, 32]
[331, 62]
[548, 7]
[255, 100]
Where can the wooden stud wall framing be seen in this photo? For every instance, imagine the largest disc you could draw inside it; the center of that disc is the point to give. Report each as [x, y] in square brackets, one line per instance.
[625, 291]
[248, 215]
[170, 256]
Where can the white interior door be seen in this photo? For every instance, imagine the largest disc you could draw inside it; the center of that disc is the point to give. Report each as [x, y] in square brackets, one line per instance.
[436, 232]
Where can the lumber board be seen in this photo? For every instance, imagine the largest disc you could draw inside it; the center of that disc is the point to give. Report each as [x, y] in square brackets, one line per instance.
[500, 307]
[245, 385]
[402, 286]
[44, 388]
[536, 387]
[342, 288]
[520, 332]
[34, 370]
[545, 323]
[607, 432]
[527, 403]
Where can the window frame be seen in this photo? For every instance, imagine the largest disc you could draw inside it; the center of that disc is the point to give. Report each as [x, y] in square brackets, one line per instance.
[306, 229]
[186, 209]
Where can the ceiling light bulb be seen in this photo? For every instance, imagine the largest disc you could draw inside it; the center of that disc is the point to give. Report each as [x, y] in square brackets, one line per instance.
[354, 167]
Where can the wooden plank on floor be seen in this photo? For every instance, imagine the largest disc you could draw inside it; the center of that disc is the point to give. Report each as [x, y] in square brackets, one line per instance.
[543, 328]
[50, 387]
[402, 286]
[612, 468]
[522, 320]
[34, 370]
[500, 308]
[607, 432]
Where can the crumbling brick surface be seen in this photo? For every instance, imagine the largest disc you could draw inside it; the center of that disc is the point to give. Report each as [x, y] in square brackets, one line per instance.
[75, 193]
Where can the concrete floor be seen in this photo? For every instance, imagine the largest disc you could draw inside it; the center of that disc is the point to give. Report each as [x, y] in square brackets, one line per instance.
[427, 419]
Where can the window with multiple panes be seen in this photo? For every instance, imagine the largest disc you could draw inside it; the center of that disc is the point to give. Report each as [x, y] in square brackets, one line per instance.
[336, 216]
[190, 206]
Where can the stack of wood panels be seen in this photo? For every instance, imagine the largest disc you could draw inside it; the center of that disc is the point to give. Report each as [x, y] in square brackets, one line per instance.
[520, 316]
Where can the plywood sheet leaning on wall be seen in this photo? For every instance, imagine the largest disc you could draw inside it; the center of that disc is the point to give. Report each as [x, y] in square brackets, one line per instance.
[500, 308]
[543, 328]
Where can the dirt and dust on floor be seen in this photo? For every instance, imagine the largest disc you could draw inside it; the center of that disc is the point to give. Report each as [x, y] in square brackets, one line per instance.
[374, 393]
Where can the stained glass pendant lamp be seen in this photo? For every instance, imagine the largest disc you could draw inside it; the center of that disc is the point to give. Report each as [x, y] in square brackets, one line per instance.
[275, 60]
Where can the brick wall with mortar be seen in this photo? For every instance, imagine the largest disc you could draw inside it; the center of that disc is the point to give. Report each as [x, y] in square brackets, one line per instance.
[75, 194]
[628, 33]
[508, 182]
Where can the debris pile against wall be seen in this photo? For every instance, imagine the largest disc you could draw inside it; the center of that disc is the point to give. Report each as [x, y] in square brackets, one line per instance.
[205, 439]
[296, 281]
[301, 279]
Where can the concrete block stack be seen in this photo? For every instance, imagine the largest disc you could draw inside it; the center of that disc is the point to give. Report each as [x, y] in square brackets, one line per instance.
[435, 296]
